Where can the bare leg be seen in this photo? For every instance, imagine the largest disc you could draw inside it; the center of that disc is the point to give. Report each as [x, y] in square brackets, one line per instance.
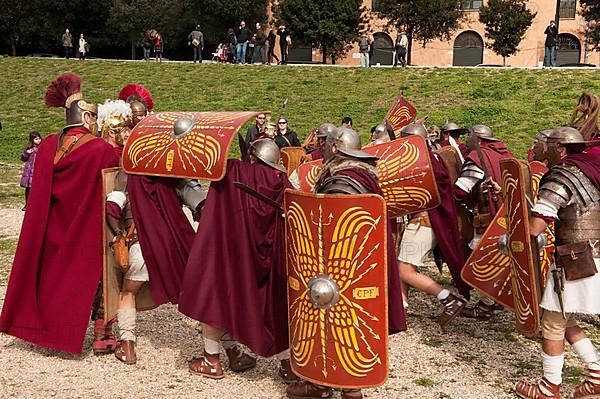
[410, 276]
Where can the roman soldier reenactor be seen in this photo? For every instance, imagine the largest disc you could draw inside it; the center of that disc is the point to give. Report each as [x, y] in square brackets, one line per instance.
[349, 170]
[58, 261]
[479, 188]
[423, 231]
[235, 278]
[451, 133]
[569, 196]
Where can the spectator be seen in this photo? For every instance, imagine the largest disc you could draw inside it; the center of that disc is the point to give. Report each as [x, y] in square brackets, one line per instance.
[347, 122]
[257, 129]
[67, 42]
[271, 39]
[28, 156]
[83, 47]
[401, 48]
[158, 47]
[148, 42]
[364, 46]
[259, 45]
[231, 43]
[243, 36]
[285, 40]
[196, 40]
[284, 136]
[551, 33]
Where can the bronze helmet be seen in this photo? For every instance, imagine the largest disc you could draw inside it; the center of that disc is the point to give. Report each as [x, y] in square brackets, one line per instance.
[326, 129]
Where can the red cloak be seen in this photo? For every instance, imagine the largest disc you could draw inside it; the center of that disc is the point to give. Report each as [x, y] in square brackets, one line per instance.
[235, 278]
[396, 316]
[444, 224]
[58, 261]
[588, 162]
[164, 233]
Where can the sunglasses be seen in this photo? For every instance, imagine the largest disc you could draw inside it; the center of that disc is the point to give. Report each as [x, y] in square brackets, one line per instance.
[261, 117]
[282, 122]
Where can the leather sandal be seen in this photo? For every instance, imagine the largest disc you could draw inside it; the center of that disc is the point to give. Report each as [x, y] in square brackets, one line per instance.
[105, 341]
[125, 352]
[479, 311]
[589, 388]
[453, 305]
[207, 366]
[307, 390]
[352, 394]
[286, 373]
[238, 360]
[541, 389]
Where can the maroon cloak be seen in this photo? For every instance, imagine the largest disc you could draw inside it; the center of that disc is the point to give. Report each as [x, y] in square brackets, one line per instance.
[396, 316]
[588, 162]
[58, 261]
[235, 278]
[164, 233]
[443, 222]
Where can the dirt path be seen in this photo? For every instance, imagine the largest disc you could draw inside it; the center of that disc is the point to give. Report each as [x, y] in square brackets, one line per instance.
[472, 360]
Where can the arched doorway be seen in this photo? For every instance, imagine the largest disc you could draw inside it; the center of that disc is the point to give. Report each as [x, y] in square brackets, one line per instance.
[569, 49]
[383, 49]
[468, 49]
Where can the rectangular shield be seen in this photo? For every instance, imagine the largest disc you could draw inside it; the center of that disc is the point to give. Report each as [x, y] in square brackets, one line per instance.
[487, 269]
[112, 277]
[401, 114]
[190, 145]
[337, 288]
[405, 175]
[525, 275]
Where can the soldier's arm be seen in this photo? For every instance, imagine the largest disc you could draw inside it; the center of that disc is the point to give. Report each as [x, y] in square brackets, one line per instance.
[470, 175]
[551, 198]
[115, 202]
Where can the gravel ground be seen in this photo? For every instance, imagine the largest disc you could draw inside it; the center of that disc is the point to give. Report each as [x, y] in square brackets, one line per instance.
[471, 360]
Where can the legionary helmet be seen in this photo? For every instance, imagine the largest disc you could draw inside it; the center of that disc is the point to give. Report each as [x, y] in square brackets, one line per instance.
[325, 130]
[65, 92]
[267, 151]
[270, 129]
[379, 132]
[543, 135]
[414, 129]
[483, 132]
[565, 135]
[140, 100]
[113, 117]
[347, 142]
[452, 128]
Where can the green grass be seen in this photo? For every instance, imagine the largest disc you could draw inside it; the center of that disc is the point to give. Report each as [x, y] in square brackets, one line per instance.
[516, 103]
[425, 382]
[10, 192]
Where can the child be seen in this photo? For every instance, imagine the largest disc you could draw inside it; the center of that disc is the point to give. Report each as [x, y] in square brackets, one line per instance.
[158, 47]
[28, 156]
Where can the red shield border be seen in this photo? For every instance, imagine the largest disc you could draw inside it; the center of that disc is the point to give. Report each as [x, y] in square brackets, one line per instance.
[343, 237]
[200, 154]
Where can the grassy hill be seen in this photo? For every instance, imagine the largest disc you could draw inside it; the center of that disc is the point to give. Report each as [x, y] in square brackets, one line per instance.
[516, 103]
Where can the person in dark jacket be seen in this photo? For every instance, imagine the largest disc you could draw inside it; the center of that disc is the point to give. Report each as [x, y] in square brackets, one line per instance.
[231, 43]
[285, 137]
[243, 36]
[28, 156]
[271, 39]
[259, 45]
[196, 40]
[284, 40]
[551, 33]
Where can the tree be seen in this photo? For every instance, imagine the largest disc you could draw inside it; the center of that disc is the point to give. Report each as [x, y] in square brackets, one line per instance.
[331, 25]
[423, 20]
[506, 22]
[590, 11]
[12, 21]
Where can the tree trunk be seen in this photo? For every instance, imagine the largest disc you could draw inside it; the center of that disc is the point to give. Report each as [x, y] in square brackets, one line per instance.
[324, 48]
[133, 50]
[504, 61]
[409, 50]
[332, 59]
[13, 45]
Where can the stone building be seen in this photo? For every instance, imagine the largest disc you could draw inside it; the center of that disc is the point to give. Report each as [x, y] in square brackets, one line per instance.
[466, 46]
